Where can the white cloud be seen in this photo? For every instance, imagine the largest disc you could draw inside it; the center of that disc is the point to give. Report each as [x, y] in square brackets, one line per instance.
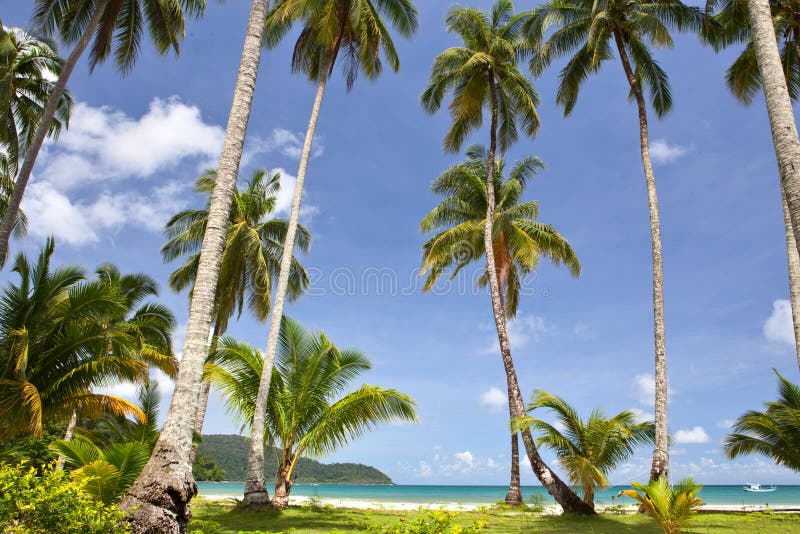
[663, 152]
[644, 385]
[642, 416]
[778, 326]
[692, 435]
[290, 144]
[522, 331]
[725, 424]
[466, 458]
[494, 399]
[424, 469]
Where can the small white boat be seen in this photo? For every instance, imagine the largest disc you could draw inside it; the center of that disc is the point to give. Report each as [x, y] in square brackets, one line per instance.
[758, 488]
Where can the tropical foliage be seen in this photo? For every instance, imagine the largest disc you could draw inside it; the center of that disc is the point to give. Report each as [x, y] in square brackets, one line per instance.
[670, 506]
[588, 450]
[773, 432]
[308, 411]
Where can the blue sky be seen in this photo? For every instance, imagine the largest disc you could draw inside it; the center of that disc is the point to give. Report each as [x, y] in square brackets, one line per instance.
[136, 145]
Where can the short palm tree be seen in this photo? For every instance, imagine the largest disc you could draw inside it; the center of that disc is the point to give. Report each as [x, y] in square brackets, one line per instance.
[26, 66]
[250, 259]
[731, 26]
[483, 74]
[520, 241]
[591, 32]
[309, 411]
[159, 500]
[116, 27]
[670, 506]
[587, 450]
[329, 27]
[773, 432]
[53, 347]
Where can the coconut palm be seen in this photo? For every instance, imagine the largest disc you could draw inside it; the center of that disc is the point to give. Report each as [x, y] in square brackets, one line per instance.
[587, 450]
[6, 187]
[309, 412]
[592, 32]
[116, 28]
[250, 259]
[159, 500]
[329, 26]
[744, 81]
[26, 66]
[519, 240]
[773, 432]
[670, 506]
[484, 74]
[54, 347]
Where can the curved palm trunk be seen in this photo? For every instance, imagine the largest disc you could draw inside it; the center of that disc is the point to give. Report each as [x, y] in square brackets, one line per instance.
[794, 273]
[514, 495]
[205, 392]
[32, 151]
[67, 437]
[283, 482]
[562, 493]
[159, 500]
[660, 465]
[779, 106]
[255, 490]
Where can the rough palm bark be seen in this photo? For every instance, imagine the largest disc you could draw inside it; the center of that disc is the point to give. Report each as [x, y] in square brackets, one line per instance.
[779, 106]
[660, 465]
[794, 274]
[67, 437]
[514, 495]
[21, 182]
[205, 392]
[283, 485]
[159, 500]
[562, 493]
[255, 490]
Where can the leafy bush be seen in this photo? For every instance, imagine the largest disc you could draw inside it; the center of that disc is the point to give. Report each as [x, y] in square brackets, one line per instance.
[51, 504]
[432, 522]
[670, 506]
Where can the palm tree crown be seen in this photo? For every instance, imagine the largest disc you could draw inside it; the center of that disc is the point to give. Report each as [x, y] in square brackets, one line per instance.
[27, 65]
[332, 26]
[309, 411]
[593, 29]
[588, 450]
[774, 432]
[520, 241]
[483, 74]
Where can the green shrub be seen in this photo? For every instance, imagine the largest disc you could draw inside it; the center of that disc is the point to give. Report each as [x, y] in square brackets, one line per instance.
[670, 506]
[431, 522]
[51, 504]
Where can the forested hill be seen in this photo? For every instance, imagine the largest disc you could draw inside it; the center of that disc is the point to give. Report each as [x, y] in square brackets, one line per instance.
[229, 452]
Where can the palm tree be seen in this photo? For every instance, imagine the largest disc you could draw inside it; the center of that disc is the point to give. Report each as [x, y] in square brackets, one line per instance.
[744, 81]
[159, 500]
[26, 64]
[484, 73]
[6, 187]
[587, 450]
[250, 259]
[774, 432]
[593, 31]
[519, 240]
[116, 27]
[779, 106]
[108, 466]
[670, 506]
[53, 348]
[329, 26]
[308, 412]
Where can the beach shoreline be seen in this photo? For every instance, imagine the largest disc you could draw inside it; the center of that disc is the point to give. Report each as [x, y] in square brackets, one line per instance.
[552, 509]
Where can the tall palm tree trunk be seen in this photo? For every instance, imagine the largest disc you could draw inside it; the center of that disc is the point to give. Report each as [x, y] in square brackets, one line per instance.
[562, 493]
[255, 490]
[159, 500]
[514, 495]
[660, 465]
[205, 392]
[779, 106]
[32, 150]
[794, 273]
[73, 420]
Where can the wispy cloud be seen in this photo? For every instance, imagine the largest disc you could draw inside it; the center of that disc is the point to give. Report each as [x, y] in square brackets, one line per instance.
[778, 326]
[494, 399]
[696, 434]
[663, 152]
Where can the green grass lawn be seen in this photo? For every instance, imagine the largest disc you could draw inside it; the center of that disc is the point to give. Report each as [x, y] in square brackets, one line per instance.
[222, 518]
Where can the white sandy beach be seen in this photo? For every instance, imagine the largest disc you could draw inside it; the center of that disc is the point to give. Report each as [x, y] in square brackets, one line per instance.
[467, 507]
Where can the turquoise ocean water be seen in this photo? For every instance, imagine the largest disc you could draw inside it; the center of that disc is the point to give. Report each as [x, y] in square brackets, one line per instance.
[715, 495]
